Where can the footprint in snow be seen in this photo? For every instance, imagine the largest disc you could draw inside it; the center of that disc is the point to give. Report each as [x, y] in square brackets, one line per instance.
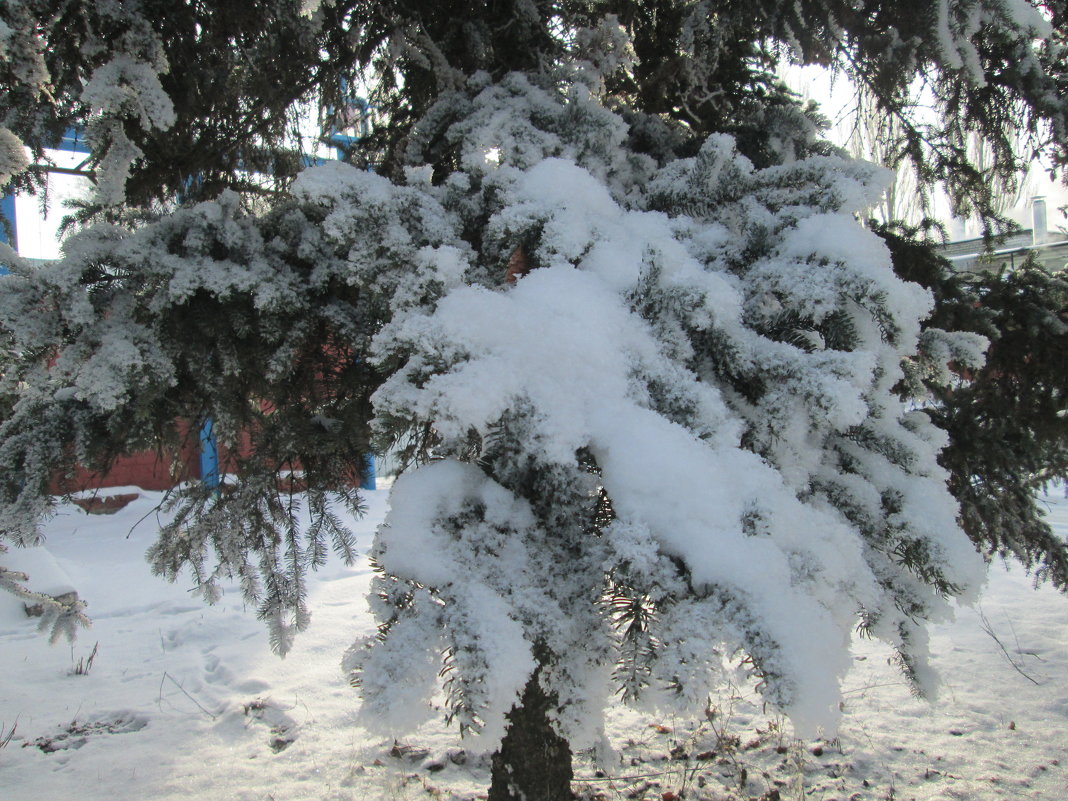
[282, 728]
[77, 733]
[215, 672]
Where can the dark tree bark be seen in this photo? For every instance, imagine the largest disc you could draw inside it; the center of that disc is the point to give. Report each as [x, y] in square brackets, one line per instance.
[534, 762]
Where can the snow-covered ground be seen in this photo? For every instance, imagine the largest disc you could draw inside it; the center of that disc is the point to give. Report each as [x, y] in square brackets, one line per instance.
[186, 701]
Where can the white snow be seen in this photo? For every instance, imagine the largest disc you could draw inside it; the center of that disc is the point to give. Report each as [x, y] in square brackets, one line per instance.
[128, 87]
[125, 88]
[604, 349]
[186, 701]
[13, 158]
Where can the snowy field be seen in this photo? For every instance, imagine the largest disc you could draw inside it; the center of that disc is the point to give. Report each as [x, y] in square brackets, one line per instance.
[185, 701]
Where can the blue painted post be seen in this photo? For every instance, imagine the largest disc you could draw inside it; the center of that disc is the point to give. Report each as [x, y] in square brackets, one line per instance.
[209, 445]
[343, 145]
[7, 211]
[369, 481]
[209, 455]
[74, 141]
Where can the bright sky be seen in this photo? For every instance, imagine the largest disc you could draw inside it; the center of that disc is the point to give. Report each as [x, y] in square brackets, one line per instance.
[835, 94]
[37, 233]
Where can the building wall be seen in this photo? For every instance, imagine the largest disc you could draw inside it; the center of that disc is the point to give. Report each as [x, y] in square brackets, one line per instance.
[148, 470]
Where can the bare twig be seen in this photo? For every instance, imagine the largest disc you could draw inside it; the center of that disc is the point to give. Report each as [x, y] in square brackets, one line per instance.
[594, 779]
[166, 676]
[1016, 639]
[985, 624]
[6, 738]
[84, 665]
[873, 686]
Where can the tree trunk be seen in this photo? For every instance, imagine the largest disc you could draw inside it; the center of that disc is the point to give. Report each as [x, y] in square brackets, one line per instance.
[534, 762]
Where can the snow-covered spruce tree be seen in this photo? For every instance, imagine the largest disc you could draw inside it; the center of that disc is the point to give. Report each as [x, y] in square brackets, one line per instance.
[611, 289]
[673, 439]
[1006, 422]
[133, 339]
[1009, 426]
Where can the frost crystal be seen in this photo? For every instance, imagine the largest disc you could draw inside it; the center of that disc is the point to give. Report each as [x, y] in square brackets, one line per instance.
[12, 156]
[123, 89]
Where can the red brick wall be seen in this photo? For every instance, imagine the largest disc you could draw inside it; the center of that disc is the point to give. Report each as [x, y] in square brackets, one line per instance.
[147, 470]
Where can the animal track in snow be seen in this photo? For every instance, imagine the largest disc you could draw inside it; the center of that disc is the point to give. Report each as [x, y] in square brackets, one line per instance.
[283, 729]
[76, 734]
